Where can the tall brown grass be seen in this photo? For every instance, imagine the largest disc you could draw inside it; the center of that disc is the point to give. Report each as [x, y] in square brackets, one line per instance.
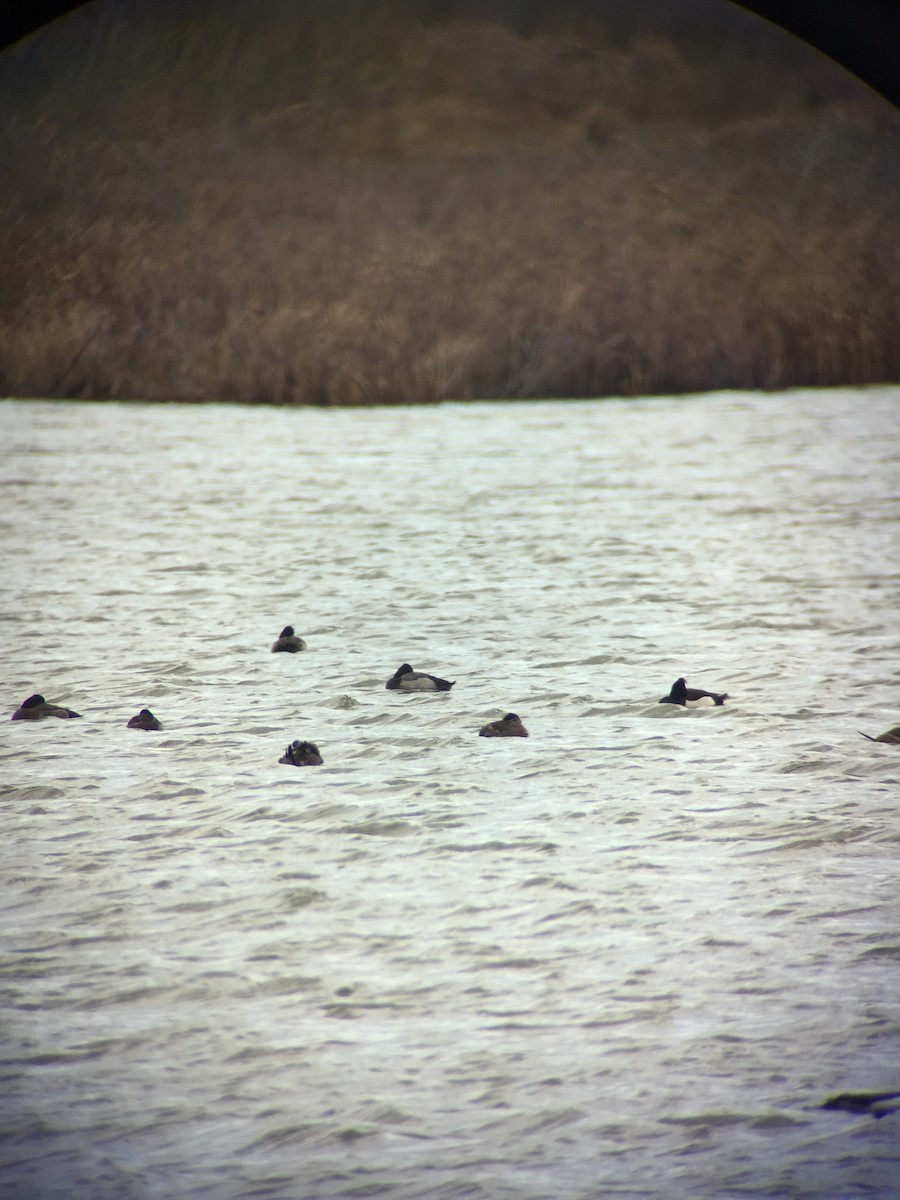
[354, 204]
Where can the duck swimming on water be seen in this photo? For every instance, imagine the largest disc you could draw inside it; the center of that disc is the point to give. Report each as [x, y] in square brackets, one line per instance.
[405, 679]
[692, 697]
[288, 642]
[35, 708]
[508, 726]
[302, 754]
[144, 720]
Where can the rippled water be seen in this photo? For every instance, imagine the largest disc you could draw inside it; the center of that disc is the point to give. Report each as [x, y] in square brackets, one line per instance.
[629, 956]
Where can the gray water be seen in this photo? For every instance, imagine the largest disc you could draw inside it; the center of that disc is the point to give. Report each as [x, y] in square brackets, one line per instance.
[628, 956]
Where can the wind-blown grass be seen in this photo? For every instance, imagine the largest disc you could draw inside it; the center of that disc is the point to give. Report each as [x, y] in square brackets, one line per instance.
[278, 203]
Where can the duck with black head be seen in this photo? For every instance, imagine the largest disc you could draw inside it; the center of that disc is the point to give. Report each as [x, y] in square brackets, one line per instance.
[302, 754]
[144, 720]
[405, 679]
[287, 642]
[692, 697]
[35, 708]
[508, 726]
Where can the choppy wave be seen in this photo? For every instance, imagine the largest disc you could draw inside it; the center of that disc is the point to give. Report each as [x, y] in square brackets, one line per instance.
[629, 955]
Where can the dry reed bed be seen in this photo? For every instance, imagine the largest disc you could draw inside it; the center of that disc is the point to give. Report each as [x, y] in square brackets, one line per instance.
[412, 237]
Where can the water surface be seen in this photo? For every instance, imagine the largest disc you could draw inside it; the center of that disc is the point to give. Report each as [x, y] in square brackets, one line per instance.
[628, 956]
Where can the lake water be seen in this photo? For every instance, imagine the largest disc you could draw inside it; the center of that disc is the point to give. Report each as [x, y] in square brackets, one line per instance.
[629, 956]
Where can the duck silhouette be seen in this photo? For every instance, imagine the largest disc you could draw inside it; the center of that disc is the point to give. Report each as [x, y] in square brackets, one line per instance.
[35, 708]
[508, 726]
[302, 754]
[692, 697]
[287, 642]
[405, 679]
[144, 720]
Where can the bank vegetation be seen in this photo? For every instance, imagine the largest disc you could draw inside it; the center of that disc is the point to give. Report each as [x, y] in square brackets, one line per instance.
[346, 203]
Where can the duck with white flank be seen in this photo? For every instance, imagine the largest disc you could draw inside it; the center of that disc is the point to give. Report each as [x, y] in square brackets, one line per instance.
[35, 708]
[508, 726]
[144, 720]
[692, 697]
[890, 735]
[405, 679]
[302, 754]
[288, 642]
